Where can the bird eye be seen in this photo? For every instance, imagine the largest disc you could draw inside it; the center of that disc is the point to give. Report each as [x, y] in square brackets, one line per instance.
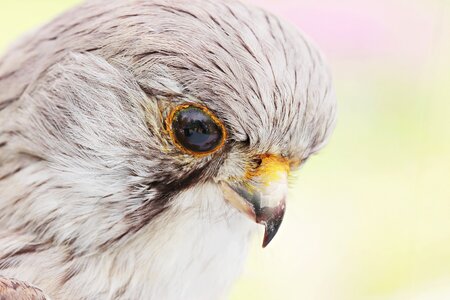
[195, 129]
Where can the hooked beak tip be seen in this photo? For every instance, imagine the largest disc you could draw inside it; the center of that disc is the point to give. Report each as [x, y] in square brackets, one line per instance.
[268, 213]
[271, 218]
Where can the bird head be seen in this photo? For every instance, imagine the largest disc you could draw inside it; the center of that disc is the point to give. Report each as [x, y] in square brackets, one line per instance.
[129, 107]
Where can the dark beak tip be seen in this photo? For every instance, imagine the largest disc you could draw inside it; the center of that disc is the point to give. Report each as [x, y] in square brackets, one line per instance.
[267, 240]
[273, 224]
[270, 232]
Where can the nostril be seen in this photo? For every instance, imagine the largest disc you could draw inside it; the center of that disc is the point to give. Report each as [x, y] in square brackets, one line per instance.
[257, 161]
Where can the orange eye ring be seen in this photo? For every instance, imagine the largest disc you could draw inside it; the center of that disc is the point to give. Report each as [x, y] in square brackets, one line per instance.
[172, 118]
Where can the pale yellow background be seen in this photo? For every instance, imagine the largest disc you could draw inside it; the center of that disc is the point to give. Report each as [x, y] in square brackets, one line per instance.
[369, 217]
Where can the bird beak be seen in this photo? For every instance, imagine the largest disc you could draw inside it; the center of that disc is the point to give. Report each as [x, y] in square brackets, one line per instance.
[262, 196]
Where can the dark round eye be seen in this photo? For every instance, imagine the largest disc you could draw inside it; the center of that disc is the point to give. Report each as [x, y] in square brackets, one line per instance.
[196, 129]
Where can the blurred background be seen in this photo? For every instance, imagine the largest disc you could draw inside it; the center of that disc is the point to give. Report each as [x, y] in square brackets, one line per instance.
[369, 218]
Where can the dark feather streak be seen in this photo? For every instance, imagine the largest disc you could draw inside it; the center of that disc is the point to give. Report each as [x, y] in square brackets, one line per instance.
[7, 175]
[7, 102]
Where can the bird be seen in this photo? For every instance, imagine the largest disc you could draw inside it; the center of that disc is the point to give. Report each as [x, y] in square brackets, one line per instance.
[144, 143]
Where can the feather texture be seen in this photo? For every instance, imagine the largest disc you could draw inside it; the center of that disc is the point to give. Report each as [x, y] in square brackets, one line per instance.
[18, 290]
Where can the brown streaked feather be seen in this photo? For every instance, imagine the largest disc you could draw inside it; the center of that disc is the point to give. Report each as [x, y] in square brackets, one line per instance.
[12, 289]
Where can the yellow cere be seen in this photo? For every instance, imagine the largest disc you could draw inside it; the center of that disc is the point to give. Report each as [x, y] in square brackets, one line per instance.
[273, 168]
